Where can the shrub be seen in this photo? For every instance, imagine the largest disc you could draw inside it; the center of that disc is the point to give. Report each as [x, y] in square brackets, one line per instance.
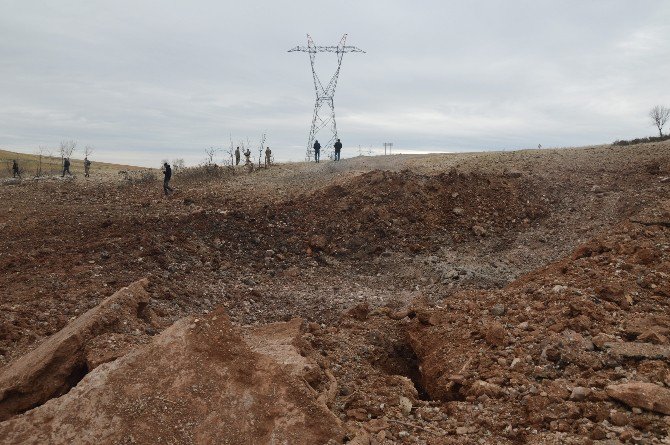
[642, 140]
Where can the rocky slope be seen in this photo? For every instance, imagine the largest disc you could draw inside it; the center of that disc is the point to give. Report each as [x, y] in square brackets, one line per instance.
[515, 297]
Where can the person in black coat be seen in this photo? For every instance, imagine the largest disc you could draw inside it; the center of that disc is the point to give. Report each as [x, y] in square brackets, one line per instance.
[66, 167]
[15, 169]
[338, 147]
[167, 172]
[317, 151]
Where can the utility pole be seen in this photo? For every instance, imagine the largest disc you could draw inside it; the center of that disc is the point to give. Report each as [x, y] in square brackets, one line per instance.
[324, 94]
[388, 145]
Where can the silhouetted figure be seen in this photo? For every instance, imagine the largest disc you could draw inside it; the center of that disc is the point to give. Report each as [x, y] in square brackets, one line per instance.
[247, 157]
[15, 169]
[167, 175]
[338, 147]
[317, 151]
[237, 156]
[268, 157]
[87, 167]
[66, 167]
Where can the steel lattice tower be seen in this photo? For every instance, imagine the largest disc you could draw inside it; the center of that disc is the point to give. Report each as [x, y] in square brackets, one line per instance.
[324, 95]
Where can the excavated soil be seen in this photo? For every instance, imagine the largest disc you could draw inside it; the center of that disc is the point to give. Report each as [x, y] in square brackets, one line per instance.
[516, 297]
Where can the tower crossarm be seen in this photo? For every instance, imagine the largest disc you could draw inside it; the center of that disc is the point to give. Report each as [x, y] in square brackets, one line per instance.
[326, 49]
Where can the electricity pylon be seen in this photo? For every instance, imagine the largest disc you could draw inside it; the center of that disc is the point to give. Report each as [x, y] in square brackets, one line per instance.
[324, 94]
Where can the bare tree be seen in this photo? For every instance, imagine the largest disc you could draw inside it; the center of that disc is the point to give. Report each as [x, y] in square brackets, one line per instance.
[41, 152]
[229, 159]
[260, 149]
[231, 153]
[51, 159]
[210, 153]
[66, 148]
[88, 150]
[659, 116]
[178, 164]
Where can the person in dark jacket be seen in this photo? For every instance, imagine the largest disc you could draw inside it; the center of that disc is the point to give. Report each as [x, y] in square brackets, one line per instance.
[237, 156]
[268, 157]
[167, 172]
[317, 151]
[66, 167]
[87, 167]
[338, 147]
[15, 169]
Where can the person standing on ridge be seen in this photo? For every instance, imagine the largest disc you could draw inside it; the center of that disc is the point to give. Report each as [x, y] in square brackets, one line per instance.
[237, 156]
[66, 167]
[268, 157]
[338, 147]
[317, 151]
[15, 169]
[87, 167]
[167, 172]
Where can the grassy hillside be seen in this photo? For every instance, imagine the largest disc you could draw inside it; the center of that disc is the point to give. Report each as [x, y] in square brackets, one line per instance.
[30, 165]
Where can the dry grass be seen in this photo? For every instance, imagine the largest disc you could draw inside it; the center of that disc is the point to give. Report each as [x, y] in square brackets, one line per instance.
[29, 165]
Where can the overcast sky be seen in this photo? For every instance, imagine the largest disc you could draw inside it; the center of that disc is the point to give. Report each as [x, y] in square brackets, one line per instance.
[145, 80]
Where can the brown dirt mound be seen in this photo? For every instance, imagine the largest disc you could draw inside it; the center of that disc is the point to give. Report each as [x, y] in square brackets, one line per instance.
[383, 210]
[197, 382]
[63, 359]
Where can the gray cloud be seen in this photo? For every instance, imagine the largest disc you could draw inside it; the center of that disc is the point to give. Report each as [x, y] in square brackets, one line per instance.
[151, 79]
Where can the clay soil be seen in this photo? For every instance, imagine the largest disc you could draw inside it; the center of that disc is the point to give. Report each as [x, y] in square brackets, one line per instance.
[447, 299]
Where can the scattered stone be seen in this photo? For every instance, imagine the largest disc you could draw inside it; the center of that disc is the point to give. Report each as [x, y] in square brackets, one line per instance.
[458, 211]
[451, 274]
[400, 314]
[638, 351]
[626, 435]
[357, 413]
[318, 242]
[405, 405]
[642, 395]
[495, 334]
[481, 387]
[579, 393]
[292, 271]
[653, 336]
[598, 433]
[249, 281]
[600, 340]
[617, 418]
[479, 230]
[463, 430]
[498, 310]
[359, 312]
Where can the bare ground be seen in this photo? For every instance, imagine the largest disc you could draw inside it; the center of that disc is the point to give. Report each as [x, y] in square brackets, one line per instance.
[414, 275]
